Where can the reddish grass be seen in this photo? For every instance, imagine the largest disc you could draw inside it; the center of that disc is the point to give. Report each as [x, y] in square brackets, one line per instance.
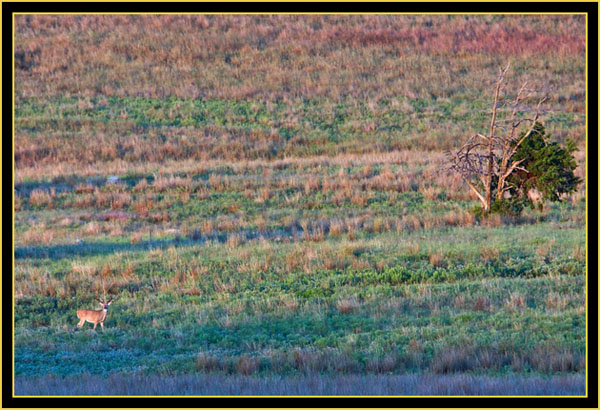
[267, 59]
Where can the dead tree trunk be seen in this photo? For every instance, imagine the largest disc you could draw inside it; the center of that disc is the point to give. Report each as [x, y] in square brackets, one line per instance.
[485, 161]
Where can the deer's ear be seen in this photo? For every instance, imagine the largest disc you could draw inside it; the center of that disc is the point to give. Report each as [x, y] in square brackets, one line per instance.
[109, 302]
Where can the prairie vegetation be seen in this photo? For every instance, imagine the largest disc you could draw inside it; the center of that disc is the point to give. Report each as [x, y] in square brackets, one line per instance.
[259, 193]
[152, 88]
[313, 385]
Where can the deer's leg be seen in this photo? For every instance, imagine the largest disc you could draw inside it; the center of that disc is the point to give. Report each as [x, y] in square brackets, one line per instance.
[81, 322]
[102, 326]
[95, 324]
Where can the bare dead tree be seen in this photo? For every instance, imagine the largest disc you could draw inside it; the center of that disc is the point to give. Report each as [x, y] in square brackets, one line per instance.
[484, 161]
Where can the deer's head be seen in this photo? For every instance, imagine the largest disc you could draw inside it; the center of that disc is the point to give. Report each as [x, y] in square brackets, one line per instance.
[105, 304]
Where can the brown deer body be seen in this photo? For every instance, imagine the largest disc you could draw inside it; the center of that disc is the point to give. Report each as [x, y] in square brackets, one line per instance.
[94, 316]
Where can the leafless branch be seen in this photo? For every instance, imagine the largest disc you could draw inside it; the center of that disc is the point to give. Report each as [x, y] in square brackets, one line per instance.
[483, 157]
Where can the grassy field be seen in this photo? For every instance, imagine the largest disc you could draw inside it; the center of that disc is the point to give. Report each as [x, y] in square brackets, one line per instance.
[312, 385]
[261, 195]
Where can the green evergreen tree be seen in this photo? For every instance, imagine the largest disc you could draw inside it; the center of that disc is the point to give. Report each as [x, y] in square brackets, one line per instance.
[545, 166]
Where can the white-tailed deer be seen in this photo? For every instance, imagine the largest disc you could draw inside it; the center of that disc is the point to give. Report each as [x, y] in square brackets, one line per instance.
[94, 316]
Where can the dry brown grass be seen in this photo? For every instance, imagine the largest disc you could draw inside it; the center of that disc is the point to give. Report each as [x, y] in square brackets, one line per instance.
[430, 192]
[92, 229]
[488, 253]
[544, 251]
[436, 259]
[32, 236]
[411, 222]
[47, 237]
[84, 269]
[84, 188]
[386, 364]
[84, 201]
[459, 301]
[290, 302]
[225, 223]
[514, 36]
[359, 198]
[265, 195]
[207, 226]
[556, 301]
[261, 223]
[184, 197]
[40, 197]
[336, 227]
[459, 218]
[235, 239]
[136, 237]
[120, 200]
[218, 182]
[482, 303]
[347, 305]
[381, 224]
[293, 260]
[312, 184]
[579, 253]
[492, 221]
[162, 183]
[413, 248]
[312, 232]
[515, 302]
[141, 186]
[207, 362]
[247, 365]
